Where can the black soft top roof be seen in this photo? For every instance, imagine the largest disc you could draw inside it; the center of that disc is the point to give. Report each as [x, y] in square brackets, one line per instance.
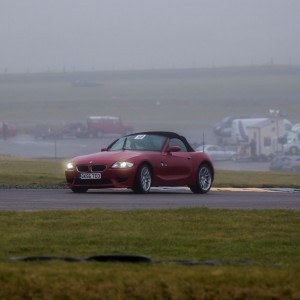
[169, 135]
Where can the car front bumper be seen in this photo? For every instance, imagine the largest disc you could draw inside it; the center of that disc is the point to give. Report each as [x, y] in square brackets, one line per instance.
[111, 178]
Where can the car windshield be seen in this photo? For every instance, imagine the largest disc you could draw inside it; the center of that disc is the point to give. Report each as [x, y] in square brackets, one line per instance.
[140, 142]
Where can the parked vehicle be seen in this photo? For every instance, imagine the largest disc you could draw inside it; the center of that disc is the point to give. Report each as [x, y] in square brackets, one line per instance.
[56, 130]
[86, 83]
[258, 139]
[217, 152]
[285, 163]
[7, 131]
[292, 145]
[296, 164]
[223, 127]
[98, 126]
[140, 161]
[240, 129]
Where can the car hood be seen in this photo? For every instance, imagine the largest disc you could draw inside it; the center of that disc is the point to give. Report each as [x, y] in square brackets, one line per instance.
[108, 157]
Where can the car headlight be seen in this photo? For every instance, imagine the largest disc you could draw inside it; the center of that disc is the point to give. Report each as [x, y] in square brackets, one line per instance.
[70, 166]
[122, 165]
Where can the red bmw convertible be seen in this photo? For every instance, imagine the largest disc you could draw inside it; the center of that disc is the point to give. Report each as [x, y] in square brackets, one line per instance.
[140, 161]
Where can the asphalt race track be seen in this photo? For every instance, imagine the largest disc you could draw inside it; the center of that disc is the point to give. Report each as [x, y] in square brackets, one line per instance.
[162, 198]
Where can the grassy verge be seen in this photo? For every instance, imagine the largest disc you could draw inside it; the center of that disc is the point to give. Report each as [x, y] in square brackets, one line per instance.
[257, 254]
[30, 172]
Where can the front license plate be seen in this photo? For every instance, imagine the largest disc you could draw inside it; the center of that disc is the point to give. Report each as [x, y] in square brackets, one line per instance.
[90, 176]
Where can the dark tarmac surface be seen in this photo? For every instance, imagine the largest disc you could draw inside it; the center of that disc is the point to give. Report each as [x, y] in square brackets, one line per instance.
[168, 198]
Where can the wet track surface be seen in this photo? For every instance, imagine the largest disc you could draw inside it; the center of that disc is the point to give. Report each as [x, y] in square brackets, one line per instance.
[53, 199]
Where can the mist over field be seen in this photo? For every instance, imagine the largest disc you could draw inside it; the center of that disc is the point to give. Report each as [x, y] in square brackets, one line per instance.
[76, 35]
[203, 96]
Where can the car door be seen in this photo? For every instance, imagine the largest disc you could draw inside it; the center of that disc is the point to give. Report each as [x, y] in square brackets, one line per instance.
[177, 166]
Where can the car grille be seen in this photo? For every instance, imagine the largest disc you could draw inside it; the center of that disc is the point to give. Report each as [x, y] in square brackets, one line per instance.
[93, 168]
[83, 168]
[98, 168]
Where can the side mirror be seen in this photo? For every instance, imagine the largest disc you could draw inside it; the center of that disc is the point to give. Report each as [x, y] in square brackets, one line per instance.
[103, 149]
[174, 149]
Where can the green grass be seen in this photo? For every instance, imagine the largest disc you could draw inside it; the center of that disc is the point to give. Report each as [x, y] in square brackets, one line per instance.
[199, 234]
[30, 172]
[266, 242]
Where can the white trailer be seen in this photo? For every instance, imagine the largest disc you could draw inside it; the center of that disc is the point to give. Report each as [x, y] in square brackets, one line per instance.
[257, 138]
[239, 129]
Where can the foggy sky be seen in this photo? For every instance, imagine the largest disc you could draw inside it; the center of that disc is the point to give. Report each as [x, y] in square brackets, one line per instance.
[84, 35]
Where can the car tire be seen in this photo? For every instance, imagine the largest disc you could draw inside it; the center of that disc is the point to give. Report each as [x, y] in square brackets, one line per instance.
[79, 189]
[203, 181]
[143, 180]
